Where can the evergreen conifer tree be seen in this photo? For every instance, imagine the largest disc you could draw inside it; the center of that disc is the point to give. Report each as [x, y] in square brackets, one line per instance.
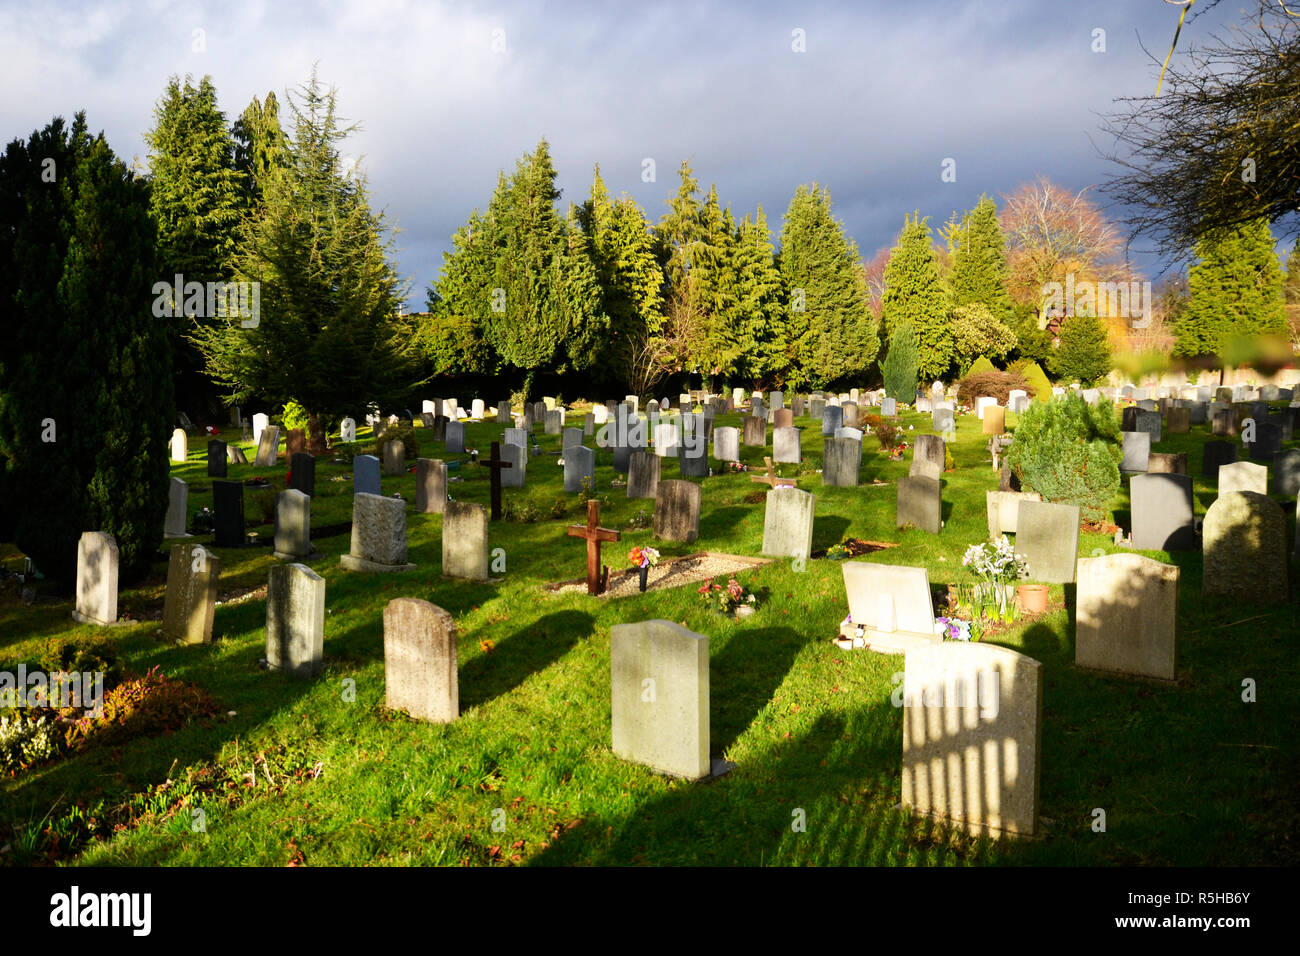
[899, 366]
[915, 292]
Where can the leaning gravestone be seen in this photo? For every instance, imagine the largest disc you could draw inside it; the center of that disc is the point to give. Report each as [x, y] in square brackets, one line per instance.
[292, 525]
[178, 496]
[1047, 537]
[1243, 476]
[268, 448]
[1004, 510]
[235, 455]
[430, 485]
[302, 473]
[579, 466]
[726, 444]
[378, 535]
[659, 690]
[1126, 616]
[217, 458]
[842, 461]
[972, 736]
[788, 522]
[97, 559]
[1162, 512]
[1137, 452]
[643, 475]
[295, 620]
[228, 514]
[919, 504]
[1244, 540]
[420, 672]
[455, 438]
[890, 607]
[677, 511]
[465, 541]
[191, 597]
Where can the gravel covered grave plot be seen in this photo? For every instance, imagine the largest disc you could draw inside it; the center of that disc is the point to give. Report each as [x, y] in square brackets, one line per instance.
[668, 573]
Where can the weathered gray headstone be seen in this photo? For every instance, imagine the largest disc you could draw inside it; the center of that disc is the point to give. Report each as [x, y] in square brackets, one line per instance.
[420, 660]
[972, 736]
[178, 497]
[726, 444]
[788, 523]
[570, 438]
[554, 422]
[1047, 537]
[97, 559]
[786, 445]
[841, 462]
[295, 620]
[292, 525]
[919, 504]
[1243, 476]
[659, 689]
[677, 511]
[268, 447]
[643, 475]
[378, 535]
[430, 485]
[1004, 510]
[394, 458]
[1167, 463]
[755, 431]
[943, 419]
[1137, 452]
[1162, 512]
[465, 541]
[832, 418]
[1126, 616]
[888, 407]
[191, 597]
[516, 475]
[579, 464]
[1148, 422]
[1286, 472]
[454, 441]
[1244, 540]
[931, 448]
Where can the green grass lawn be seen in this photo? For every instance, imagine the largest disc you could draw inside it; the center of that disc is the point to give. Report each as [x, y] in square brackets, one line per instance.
[318, 772]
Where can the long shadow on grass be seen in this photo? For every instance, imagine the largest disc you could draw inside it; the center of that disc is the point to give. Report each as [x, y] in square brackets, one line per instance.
[721, 521]
[828, 530]
[525, 652]
[783, 808]
[744, 675]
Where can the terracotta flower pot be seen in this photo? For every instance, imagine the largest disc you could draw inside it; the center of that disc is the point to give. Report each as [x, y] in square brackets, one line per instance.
[1033, 597]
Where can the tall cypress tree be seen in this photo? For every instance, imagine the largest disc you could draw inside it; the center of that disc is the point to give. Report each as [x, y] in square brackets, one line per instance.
[329, 335]
[765, 353]
[915, 292]
[830, 317]
[85, 384]
[899, 366]
[1236, 291]
[196, 199]
[979, 263]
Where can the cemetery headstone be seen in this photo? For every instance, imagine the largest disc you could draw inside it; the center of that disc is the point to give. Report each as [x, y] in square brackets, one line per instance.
[1214, 454]
[295, 442]
[268, 448]
[191, 597]
[348, 430]
[228, 514]
[659, 689]
[831, 420]
[179, 445]
[1244, 541]
[643, 475]
[430, 485]
[378, 535]
[295, 620]
[888, 407]
[972, 736]
[1047, 537]
[1137, 452]
[235, 455]
[1162, 512]
[455, 438]
[1004, 510]
[995, 420]
[786, 445]
[1167, 463]
[919, 504]
[464, 541]
[890, 607]
[842, 462]
[788, 523]
[292, 525]
[1243, 476]
[579, 465]
[726, 444]
[217, 458]
[1286, 472]
[177, 509]
[677, 511]
[666, 440]
[97, 569]
[420, 662]
[366, 478]
[1126, 616]
[302, 473]
[755, 431]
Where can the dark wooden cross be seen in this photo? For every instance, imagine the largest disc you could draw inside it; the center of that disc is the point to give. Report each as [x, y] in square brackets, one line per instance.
[772, 480]
[597, 577]
[494, 466]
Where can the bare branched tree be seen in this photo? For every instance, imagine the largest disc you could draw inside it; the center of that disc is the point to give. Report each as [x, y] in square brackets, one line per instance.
[1220, 145]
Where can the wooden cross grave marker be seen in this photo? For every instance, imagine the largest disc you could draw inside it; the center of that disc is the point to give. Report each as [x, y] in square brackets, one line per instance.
[597, 577]
[494, 466]
[771, 480]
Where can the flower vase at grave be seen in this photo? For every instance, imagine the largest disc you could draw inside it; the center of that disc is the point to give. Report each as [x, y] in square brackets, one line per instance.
[645, 575]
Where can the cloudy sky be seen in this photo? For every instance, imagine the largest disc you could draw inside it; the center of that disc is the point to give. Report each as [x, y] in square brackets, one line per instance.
[447, 94]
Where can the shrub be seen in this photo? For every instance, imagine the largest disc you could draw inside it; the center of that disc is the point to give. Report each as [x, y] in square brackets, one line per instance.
[1084, 352]
[141, 706]
[294, 416]
[1068, 451]
[981, 365]
[1040, 388]
[887, 435]
[396, 432]
[948, 463]
[560, 508]
[26, 740]
[994, 384]
[642, 519]
[520, 512]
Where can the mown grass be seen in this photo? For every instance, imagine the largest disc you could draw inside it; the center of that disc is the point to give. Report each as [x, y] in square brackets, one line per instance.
[319, 772]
